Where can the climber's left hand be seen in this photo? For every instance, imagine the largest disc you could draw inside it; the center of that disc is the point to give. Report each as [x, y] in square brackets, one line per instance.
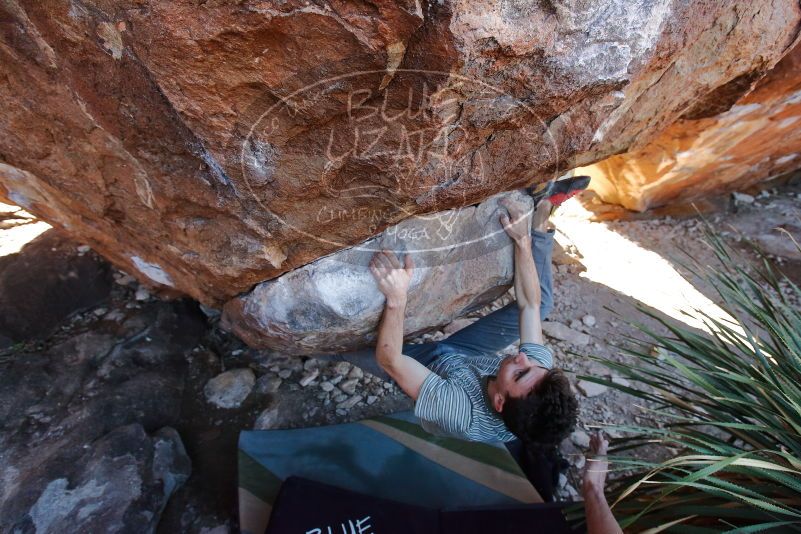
[518, 227]
[392, 278]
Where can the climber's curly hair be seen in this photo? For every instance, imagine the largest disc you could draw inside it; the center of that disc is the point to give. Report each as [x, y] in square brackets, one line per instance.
[547, 415]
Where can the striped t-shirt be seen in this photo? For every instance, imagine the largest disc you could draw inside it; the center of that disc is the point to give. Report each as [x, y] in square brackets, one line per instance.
[453, 399]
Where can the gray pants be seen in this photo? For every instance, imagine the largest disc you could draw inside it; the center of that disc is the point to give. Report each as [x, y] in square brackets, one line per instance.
[487, 335]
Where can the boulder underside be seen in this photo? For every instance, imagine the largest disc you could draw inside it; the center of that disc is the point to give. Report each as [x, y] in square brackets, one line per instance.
[210, 148]
[756, 139]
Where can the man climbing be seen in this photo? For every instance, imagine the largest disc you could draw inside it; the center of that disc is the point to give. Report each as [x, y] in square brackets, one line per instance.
[460, 387]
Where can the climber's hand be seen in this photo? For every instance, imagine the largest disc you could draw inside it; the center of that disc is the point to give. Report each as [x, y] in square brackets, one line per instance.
[519, 227]
[391, 277]
[597, 465]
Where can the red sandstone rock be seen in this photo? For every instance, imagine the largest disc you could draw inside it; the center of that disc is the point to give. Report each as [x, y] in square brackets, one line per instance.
[708, 152]
[206, 147]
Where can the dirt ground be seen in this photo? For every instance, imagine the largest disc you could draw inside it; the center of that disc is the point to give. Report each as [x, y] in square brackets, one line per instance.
[602, 271]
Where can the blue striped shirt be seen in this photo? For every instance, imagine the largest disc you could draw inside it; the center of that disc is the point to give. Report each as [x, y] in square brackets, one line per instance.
[453, 399]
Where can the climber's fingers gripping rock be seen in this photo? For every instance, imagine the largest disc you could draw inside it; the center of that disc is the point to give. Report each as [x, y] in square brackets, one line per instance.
[516, 222]
[392, 278]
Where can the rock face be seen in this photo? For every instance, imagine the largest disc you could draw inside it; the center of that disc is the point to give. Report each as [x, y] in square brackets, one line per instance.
[210, 147]
[86, 437]
[708, 152]
[47, 281]
[121, 484]
[229, 389]
[463, 259]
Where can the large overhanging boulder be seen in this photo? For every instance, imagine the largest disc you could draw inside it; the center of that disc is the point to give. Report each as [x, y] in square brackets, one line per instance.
[208, 147]
[462, 258]
[703, 154]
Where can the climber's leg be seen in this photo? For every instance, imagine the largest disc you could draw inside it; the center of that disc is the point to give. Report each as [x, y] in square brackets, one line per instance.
[501, 328]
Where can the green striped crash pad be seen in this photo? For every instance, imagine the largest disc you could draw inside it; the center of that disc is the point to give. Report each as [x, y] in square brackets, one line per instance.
[388, 457]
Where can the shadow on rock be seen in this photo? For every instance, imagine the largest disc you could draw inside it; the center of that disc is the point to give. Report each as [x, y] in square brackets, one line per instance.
[49, 279]
[86, 443]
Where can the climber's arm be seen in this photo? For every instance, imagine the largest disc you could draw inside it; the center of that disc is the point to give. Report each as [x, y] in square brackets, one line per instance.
[527, 292]
[527, 286]
[393, 281]
[406, 371]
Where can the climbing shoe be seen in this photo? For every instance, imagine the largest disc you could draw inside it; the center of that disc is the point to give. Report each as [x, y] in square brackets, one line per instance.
[560, 190]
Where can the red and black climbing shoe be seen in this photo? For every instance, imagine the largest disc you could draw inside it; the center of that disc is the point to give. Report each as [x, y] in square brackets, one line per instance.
[558, 191]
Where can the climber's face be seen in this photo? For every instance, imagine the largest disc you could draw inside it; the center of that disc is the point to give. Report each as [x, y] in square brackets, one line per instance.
[517, 376]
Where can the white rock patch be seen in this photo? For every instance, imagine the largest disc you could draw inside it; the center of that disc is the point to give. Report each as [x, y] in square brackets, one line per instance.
[152, 271]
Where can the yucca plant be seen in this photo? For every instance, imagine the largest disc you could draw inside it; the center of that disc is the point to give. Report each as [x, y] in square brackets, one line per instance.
[729, 406]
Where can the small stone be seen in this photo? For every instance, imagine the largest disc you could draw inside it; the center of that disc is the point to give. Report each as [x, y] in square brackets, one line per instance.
[371, 399]
[268, 384]
[580, 461]
[229, 389]
[115, 315]
[575, 324]
[557, 330]
[340, 397]
[285, 373]
[743, 198]
[588, 320]
[591, 389]
[326, 386]
[350, 403]
[310, 364]
[99, 312]
[349, 386]
[125, 280]
[341, 412]
[337, 379]
[266, 420]
[309, 377]
[779, 245]
[209, 312]
[580, 439]
[621, 381]
[387, 385]
[562, 480]
[342, 368]
[356, 373]
[83, 249]
[142, 293]
[237, 352]
[572, 492]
